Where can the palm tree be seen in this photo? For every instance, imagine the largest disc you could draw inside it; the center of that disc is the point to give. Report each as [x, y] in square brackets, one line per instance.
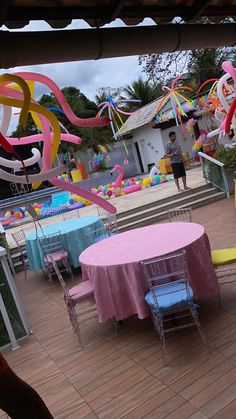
[141, 90]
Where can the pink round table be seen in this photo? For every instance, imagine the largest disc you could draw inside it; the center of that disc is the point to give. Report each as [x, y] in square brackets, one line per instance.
[113, 265]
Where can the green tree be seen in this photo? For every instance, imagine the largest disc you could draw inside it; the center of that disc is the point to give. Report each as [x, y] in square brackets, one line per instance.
[197, 65]
[29, 129]
[83, 108]
[104, 92]
[142, 90]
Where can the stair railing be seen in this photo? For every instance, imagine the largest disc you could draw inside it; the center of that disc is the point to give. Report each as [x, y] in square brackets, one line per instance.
[214, 172]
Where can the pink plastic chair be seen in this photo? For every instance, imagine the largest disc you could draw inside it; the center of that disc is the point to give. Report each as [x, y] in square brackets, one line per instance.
[53, 251]
[72, 296]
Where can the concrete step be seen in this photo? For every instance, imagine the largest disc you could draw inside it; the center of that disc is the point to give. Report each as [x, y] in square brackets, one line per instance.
[147, 218]
[175, 201]
[153, 204]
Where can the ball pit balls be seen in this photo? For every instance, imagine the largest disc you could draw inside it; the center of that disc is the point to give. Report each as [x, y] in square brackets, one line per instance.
[18, 214]
[157, 178]
[38, 210]
[146, 182]
[109, 193]
[71, 201]
[163, 176]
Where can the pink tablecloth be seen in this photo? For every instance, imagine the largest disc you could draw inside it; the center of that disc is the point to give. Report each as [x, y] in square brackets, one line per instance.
[114, 268]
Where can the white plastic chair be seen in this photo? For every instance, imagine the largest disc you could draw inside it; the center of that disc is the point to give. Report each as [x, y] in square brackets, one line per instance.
[97, 235]
[71, 215]
[72, 296]
[170, 294]
[19, 238]
[108, 220]
[180, 214]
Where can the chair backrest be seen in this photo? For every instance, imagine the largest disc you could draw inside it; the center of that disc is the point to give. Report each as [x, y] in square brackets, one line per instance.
[19, 238]
[97, 235]
[60, 277]
[71, 215]
[108, 219]
[166, 269]
[180, 214]
[30, 209]
[51, 243]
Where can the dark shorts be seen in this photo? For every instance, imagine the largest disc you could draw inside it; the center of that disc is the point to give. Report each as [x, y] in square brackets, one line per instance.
[178, 170]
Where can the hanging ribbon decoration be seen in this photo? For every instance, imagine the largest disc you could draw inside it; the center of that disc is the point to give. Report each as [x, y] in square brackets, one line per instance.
[174, 96]
[115, 119]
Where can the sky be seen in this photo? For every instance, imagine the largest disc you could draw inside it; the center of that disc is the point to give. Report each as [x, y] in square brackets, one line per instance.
[90, 75]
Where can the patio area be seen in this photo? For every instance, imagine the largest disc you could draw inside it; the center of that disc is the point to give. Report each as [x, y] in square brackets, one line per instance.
[121, 375]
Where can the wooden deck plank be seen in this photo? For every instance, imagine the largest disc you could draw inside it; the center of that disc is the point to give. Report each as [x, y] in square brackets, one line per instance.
[121, 375]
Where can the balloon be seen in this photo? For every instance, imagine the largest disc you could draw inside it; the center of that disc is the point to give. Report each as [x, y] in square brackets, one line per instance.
[88, 122]
[6, 117]
[17, 99]
[32, 178]
[40, 137]
[16, 164]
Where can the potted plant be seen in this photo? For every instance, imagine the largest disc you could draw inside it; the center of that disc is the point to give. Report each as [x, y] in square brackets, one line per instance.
[227, 156]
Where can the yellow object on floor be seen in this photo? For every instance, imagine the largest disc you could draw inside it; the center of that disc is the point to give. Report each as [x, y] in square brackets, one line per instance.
[223, 256]
[165, 166]
[76, 175]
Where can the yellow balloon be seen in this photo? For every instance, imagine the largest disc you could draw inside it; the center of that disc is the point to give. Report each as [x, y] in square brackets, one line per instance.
[31, 85]
[27, 96]
[43, 111]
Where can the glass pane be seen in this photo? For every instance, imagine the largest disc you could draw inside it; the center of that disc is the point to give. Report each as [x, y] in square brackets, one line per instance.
[214, 174]
[12, 311]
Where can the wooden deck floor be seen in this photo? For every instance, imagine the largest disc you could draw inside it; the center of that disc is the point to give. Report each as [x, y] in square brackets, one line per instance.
[122, 375]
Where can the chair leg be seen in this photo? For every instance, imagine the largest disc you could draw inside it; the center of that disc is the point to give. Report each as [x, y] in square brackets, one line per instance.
[163, 342]
[68, 267]
[158, 324]
[49, 270]
[194, 314]
[219, 299]
[74, 322]
[25, 270]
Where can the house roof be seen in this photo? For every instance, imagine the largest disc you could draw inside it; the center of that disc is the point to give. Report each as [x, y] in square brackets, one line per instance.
[141, 117]
[59, 13]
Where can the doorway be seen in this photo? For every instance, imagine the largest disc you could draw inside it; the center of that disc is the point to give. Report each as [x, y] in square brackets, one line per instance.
[139, 156]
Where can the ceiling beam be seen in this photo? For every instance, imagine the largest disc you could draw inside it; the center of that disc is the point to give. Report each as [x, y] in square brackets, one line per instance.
[18, 48]
[4, 4]
[105, 14]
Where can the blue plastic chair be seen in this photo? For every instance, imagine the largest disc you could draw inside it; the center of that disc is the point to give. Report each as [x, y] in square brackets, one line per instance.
[170, 296]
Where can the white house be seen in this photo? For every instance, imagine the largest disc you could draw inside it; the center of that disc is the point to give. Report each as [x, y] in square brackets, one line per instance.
[145, 144]
[148, 144]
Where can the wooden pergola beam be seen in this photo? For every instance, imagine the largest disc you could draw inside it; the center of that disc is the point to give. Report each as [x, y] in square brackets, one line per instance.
[30, 48]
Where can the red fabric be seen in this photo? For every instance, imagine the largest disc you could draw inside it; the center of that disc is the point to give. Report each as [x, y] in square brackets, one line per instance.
[3, 364]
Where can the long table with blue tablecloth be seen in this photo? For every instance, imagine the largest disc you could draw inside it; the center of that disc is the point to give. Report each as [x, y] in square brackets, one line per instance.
[74, 236]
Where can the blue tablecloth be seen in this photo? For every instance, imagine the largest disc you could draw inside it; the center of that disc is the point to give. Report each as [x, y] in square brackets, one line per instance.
[73, 233]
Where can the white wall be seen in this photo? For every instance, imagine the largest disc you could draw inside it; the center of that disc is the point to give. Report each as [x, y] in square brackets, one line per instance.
[150, 145]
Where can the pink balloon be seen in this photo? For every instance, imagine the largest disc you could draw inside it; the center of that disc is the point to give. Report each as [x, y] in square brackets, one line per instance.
[40, 137]
[87, 122]
[47, 165]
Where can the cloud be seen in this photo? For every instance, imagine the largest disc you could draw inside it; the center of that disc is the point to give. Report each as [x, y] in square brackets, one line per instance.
[88, 76]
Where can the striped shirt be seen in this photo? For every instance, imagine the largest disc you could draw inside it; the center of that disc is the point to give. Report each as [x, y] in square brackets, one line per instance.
[174, 148]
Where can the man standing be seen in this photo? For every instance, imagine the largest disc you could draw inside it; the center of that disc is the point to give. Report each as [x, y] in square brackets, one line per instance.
[173, 151]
